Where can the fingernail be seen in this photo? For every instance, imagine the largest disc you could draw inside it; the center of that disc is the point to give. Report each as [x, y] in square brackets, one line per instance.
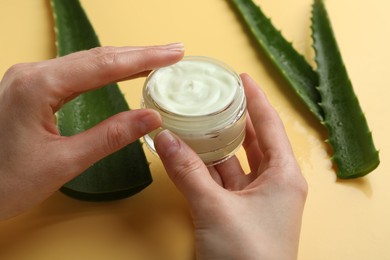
[166, 143]
[177, 46]
[149, 122]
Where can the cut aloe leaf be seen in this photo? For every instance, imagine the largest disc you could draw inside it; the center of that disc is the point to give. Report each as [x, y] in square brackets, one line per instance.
[334, 103]
[295, 69]
[123, 173]
[354, 151]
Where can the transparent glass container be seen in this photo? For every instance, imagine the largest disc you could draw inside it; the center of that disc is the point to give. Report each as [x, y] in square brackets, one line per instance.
[214, 136]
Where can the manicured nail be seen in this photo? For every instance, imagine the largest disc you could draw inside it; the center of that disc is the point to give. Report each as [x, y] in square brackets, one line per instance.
[149, 122]
[177, 46]
[166, 143]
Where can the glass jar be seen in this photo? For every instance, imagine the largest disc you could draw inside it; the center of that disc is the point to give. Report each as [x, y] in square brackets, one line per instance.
[203, 102]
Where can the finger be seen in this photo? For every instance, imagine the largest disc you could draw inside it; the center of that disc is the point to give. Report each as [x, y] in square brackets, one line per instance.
[232, 175]
[109, 136]
[251, 146]
[184, 167]
[109, 49]
[76, 94]
[106, 65]
[100, 66]
[269, 129]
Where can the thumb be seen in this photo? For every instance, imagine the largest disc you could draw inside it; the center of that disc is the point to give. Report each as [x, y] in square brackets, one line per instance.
[183, 165]
[109, 136]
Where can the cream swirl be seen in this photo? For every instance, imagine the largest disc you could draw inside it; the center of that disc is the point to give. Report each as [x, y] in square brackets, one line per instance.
[193, 87]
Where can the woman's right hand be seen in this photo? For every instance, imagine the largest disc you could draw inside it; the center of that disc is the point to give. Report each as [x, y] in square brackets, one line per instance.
[237, 215]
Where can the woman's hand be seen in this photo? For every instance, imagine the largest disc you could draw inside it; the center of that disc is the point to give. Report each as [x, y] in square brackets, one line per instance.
[35, 160]
[237, 215]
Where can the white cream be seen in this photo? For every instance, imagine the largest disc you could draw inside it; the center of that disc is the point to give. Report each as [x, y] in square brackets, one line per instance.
[193, 88]
[202, 101]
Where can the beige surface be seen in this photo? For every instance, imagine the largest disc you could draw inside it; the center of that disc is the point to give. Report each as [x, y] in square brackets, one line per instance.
[342, 219]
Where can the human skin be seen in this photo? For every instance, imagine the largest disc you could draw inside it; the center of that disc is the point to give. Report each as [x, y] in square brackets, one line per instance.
[236, 215]
[35, 159]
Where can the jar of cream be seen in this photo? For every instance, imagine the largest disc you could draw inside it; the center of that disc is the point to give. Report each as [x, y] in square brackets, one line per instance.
[202, 101]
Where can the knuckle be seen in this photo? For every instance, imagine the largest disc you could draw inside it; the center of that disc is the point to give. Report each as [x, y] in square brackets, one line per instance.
[295, 183]
[105, 56]
[277, 158]
[185, 167]
[107, 60]
[97, 51]
[13, 70]
[21, 77]
[291, 179]
[20, 74]
[116, 137]
[142, 60]
[303, 187]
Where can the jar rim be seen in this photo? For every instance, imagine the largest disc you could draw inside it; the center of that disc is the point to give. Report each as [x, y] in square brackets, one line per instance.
[219, 63]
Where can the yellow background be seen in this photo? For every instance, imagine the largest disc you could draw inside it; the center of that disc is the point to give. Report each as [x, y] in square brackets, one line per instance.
[342, 219]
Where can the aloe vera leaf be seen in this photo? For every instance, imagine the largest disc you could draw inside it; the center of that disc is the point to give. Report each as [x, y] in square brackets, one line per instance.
[123, 173]
[354, 151]
[293, 66]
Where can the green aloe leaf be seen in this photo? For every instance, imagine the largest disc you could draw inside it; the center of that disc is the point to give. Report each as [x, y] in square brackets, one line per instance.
[334, 102]
[123, 173]
[354, 151]
[292, 65]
